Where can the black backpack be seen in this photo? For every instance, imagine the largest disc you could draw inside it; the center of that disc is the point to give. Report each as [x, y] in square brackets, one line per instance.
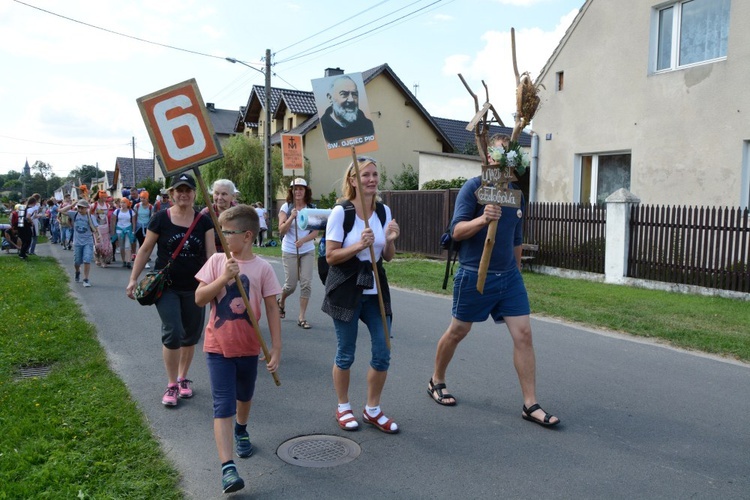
[349, 214]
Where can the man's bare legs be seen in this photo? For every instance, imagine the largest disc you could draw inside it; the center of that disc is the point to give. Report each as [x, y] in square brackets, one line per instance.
[524, 359]
[446, 348]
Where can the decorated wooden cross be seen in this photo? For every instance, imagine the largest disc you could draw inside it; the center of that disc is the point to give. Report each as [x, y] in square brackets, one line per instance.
[499, 164]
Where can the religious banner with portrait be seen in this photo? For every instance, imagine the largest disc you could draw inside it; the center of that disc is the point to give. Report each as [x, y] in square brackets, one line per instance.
[343, 110]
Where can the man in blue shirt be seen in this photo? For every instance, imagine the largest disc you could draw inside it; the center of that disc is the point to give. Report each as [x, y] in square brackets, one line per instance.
[504, 296]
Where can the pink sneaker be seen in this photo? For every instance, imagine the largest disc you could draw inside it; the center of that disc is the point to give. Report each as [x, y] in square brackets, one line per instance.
[185, 390]
[170, 395]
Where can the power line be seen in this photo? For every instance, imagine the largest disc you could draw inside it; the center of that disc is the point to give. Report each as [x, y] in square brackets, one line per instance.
[331, 27]
[68, 145]
[118, 33]
[309, 51]
[377, 31]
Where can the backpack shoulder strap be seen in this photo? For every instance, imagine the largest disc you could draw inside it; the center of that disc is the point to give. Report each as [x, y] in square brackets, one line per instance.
[349, 214]
[380, 210]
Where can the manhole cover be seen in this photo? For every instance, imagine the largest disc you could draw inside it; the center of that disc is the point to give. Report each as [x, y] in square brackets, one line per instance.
[318, 450]
[33, 372]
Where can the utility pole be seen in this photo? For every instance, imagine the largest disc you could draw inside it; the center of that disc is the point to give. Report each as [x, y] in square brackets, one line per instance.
[267, 178]
[133, 143]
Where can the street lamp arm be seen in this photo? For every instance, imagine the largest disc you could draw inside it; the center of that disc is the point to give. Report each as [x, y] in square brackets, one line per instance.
[234, 61]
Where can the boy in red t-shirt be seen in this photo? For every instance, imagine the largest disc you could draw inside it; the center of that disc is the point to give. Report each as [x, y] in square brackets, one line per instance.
[231, 344]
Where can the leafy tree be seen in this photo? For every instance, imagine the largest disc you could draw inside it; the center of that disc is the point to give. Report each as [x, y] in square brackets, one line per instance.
[53, 182]
[243, 164]
[328, 200]
[43, 169]
[84, 174]
[37, 184]
[407, 180]
[153, 187]
[13, 185]
[11, 175]
[382, 185]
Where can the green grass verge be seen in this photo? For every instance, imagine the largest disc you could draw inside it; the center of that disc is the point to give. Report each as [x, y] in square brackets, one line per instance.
[75, 433]
[710, 324]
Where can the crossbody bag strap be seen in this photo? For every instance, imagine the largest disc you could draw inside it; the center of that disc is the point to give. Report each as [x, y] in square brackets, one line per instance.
[184, 238]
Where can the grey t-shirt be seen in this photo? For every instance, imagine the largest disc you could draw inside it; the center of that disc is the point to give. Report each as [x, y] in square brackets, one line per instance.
[82, 234]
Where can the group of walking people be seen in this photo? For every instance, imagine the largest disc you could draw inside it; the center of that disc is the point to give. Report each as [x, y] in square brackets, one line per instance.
[223, 272]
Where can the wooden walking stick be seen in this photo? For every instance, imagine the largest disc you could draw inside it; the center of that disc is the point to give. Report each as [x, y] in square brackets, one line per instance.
[296, 248]
[245, 299]
[366, 214]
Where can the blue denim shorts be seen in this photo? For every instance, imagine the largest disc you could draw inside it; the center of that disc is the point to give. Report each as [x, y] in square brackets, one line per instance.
[83, 254]
[232, 380]
[504, 295]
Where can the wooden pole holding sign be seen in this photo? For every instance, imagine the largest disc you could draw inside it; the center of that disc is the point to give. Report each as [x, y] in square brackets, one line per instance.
[183, 139]
[366, 213]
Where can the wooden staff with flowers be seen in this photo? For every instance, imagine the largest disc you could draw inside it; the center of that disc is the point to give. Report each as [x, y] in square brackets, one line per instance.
[505, 160]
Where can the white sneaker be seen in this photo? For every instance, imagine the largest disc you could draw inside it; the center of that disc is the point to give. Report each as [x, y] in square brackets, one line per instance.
[148, 266]
[86, 283]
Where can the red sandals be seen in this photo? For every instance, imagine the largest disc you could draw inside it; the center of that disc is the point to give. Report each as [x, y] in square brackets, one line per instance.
[350, 418]
[387, 427]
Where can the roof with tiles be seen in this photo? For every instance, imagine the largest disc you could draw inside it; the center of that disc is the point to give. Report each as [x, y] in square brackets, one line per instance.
[460, 137]
[144, 169]
[223, 120]
[299, 102]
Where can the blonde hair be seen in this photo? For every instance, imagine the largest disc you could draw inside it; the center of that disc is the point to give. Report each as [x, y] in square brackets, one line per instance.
[348, 191]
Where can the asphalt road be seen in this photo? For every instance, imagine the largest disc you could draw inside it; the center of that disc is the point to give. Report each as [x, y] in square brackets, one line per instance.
[639, 419]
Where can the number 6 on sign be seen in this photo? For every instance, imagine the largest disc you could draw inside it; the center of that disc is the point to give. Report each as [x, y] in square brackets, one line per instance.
[171, 128]
[179, 127]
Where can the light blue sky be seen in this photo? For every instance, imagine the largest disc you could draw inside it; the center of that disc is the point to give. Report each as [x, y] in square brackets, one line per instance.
[69, 90]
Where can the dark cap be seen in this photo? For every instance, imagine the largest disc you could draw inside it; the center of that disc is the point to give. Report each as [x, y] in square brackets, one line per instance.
[183, 180]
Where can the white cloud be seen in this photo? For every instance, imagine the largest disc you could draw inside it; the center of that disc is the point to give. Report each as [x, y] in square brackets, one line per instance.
[442, 17]
[61, 112]
[494, 63]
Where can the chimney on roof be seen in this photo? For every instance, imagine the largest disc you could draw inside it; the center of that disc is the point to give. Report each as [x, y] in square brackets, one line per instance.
[333, 71]
[210, 106]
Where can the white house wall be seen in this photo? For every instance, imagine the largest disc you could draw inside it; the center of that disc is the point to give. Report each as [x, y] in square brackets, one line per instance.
[686, 129]
[434, 166]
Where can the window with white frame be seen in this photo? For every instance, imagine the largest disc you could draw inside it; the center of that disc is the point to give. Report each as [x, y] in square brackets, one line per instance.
[690, 32]
[600, 175]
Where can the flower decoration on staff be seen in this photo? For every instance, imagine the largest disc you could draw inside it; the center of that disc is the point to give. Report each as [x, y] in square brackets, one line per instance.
[513, 156]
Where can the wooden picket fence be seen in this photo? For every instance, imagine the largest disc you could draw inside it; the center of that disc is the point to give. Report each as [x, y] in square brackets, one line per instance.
[569, 235]
[702, 246]
[706, 247]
